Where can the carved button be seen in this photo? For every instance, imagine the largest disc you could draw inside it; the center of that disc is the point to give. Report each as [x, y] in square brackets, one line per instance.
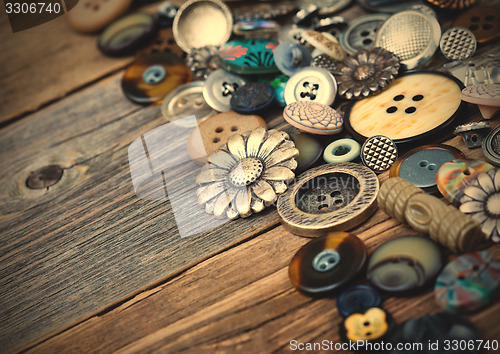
[362, 32]
[152, 77]
[220, 87]
[372, 325]
[127, 34]
[309, 151]
[249, 56]
[358, 299]
[93, 15]
[491, 147]
[290, 57]
[483, 21]
[342, 150]
[215, 131]
[327, 262]
[379, 153]
[325, 43]
[313, 117]
[332, 197]
[486, 96]
[253, 97]
[311, 84]
[458, 43]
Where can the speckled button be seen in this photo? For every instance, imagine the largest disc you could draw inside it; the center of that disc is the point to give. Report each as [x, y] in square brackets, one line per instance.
[290, 57]
[220, 87]
[362, 32]
[372, 325]
[486, 96]
[249, 56]
[358, 299]
[311, 84]
[342, 150]
[309, 151]
[378, 153]
[468, 283]
[152, 77]
[216, 130]
[127, 34]
[483, 21]
[325, 43]
[313, 117]
[458, 43]
[93, 15]
[253, 97]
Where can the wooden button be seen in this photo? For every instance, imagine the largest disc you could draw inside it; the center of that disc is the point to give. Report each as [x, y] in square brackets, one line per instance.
[216, 130]
[358, 299]
[483, 21]
[313, 117]
[486, 96]
[93, 15]
[372, 325]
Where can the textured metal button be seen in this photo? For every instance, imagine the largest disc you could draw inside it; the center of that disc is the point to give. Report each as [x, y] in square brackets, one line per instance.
[458, 43]
[486, 96]
[325, 62]
[491, 147]
[219, 88]
[203, 61]
[483, 21]
[253, 97]
[358, 299]
[290, 57]
[325, 43]
[309, 151]
[249, 56]
[342, 150]
[311, 84]
[93, 15]
[473, 133]
[332, 197]
[313, 117]
[378, 153]
[370, 326]
[362, 32]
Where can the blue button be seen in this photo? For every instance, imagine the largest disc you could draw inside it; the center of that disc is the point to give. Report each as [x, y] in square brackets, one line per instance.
[290, 57]
[357, 299]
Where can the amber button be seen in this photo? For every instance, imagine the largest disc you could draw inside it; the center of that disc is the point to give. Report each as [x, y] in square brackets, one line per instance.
[93, 15]
[371, 325]
[483, 21]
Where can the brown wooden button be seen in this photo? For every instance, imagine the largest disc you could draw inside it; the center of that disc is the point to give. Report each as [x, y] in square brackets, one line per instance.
[215, 131]
[483, 21]
[93, 15]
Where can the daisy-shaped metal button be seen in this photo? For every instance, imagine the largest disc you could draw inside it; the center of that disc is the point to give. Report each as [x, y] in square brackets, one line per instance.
[311, 84]
[247, 173]
[313, 117]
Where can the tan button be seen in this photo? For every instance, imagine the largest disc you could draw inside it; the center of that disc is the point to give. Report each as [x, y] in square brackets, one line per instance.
[215, 131]
[483, 21]
[93, 15]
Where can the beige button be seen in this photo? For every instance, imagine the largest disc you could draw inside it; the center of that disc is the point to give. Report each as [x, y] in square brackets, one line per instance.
[215, 131]
[93, 15]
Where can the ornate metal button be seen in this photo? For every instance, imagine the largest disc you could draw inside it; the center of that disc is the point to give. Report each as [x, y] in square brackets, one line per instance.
[358, 299]
[290, 57]
[309, 151]
[378, 153]
[220, 87]
[342, 150]
[452, 4]
[362, 32]
[325, 263]
[486, 96]
[203, 61]
[249, 56]
[372, 325]
[253, 97]
[313, 117]
[93, 15]
[325, 43]
[311, 84]
[458, 43]
[473, 133]
[331, 197]
[491, 147]
[483, 21]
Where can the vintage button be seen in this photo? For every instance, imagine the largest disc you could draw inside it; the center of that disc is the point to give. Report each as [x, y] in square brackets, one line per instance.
[290, 33]
[290, 57]
[256, 28]
[372, 325]
[458, 43]
[342, 150]
[325, 62]
[326, 7]
[200, 23]
[481, 201]
[420, 165]
[309, 151]
[411, 35]
[326, 263]
[452, 4]
[394, 200]
[483, 21]
[473, 133]
[358, 299]
[491, 147]
[249, 56]
[304, 16]
[388, 6]
[414, 107]
[163, 42]
[324, 42]
[313, 117]
[334, 25]
[378, 153]
[404, 263]
[219, 88]
[253, 97]
[362, 32]
[311, 84]
[127, 34]
[468, 283]
[453, 176]
[258, 11]
[184, 101]
[94, 15]
[203, 61]
[150, 78]
[215, 131]
[165, 14]
[486, 96]
[420, 210]
[332, 197]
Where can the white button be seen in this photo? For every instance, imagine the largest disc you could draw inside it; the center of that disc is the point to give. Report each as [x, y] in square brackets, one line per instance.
[219, 88]
[311, 84]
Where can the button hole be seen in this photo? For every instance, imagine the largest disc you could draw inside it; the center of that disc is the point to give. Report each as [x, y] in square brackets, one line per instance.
[335, 194]
[399, 97]
[233, 129]
[467, 172]
[216, 140]
[431, 167]
[423, 163]
[391, 109]
[323, 207]
[410, 110]
[219, 130]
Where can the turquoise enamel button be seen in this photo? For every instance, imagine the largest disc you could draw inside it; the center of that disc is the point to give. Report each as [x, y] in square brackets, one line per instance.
[249, 56]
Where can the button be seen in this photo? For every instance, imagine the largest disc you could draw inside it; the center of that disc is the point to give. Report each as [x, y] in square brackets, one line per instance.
[279, 83]
[127, 34]
[458, 43]
[220, 87]
[424, 9]
[258, 11]
[452, 4]
[325, 62]
[473, 133]
[468, 283]
[420, 165]
[200, 23]
[486, 96]
[165, 14]
[358, 299]
[327, 262]
[163, 42]
[290, 57]
[481, 201]
[342, 150]
[94, 15]
[388, 6]
[184, 101]
[325, 43]
[290, 33]
[203, 61]
[304, 16]
[379, 153]
[366, 72]
[404, 264]
[326, 7]
[215, 131]
[256, 28]
[409, 110]
[309, 151]
[311, 84]
[491, 147]
[412, 36]
[370, 326]
[313, 117]
[394, 196]
[249, 56]
[334, 25]
[483, 21]
[253, 97]
[453, 176]
[420, 210]
[150, 78]
[362, 32]
[332, 197]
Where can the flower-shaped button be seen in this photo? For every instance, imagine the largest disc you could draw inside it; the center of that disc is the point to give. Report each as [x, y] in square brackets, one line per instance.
[372, 325]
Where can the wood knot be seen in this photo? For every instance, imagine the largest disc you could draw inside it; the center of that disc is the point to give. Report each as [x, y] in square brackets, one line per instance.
[44, 177]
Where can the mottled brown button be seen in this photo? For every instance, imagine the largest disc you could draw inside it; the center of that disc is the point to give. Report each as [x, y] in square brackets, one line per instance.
[93, 15]
[215, 131]
[483, 21]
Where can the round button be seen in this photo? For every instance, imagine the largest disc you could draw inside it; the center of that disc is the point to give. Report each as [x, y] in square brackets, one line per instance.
[290, 57]
[452, 4]
[342, 150]
[256, 28]
[325, 62]
[249, 56]
[362, 32]
[358, 299]
[404, 263]
[483, 21]
[311, 84]
[332, 197]
[458, 43]
[325, 43]
[203, 61]
[327, 262]
[220, 87]
[486, 96]
[491, 147]
[127, 34]
[150, 78]
[253, 97]
[313, 117]
[379, 153]
[468, 283]
[93, 15]
[309, 151]
[370, 326]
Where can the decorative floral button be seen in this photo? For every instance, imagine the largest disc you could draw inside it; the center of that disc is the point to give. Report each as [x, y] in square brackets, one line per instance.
[253, 97]
[249, 56]
[203, 61]
[325, 43]
[311, 84]
[220, 87]
[342, 150]
[94, 15]
[362, 32]
[483, 21]
[358, 299]
[371, 325]
[325, 263]
[290, 57]
[313, 117]
[486, 96]
[152, 77]
[468, 283]
[378, 153]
